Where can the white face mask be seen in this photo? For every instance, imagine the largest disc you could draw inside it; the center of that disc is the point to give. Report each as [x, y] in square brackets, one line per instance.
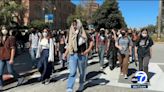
[77, 31]
[44, 34]
[144, 35]
[102, 38]
[11, 33]
[23, 33]
[4, 32]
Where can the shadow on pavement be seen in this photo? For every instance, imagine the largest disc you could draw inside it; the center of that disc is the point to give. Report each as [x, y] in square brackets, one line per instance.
[32, 81]
[93, 74]
[95, 82]
[92, 63]
[150, 75]
[131, 71]
[63, 77]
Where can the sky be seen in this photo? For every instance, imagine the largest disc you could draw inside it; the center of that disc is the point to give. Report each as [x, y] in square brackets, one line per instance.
[137, 13]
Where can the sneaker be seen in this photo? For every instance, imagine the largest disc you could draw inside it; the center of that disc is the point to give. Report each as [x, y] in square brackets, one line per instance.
[111, 67]
[47, 81]
[1, 88]
[121, 74]
[101, 68]
[69, 90]
[43, 82]
[81, 88]
[125, 76]
[34, 67]
[20, 81]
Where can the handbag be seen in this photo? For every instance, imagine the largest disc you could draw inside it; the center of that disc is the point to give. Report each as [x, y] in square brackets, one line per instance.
[4, 53]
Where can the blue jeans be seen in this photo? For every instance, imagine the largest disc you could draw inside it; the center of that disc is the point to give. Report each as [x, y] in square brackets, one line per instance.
[9, 68]
[44, 67]
[33, 52]
[76, 61]
[101, 52]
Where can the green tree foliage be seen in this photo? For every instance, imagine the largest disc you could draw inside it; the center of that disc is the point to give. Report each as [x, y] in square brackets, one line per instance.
[151, 28]
[39, 24]
[109, 16]
[7, 9]
[80, 13]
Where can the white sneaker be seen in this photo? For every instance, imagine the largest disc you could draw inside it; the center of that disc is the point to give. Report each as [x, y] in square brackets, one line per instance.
[81, 87]
[69, 90]
[101, 68]
[1, 88]
[125, 76]
[121, 74]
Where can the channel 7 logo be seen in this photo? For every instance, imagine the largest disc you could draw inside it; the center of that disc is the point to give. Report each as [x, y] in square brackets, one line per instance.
[140, 78]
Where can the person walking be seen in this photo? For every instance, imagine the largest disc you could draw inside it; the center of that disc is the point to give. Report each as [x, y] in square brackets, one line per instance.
[34, 40]
[79, 45]
[124, 45]
[112, 50]
[7, 53]
[102, 47]
[62, 44]
[45, 53]
[143, 50]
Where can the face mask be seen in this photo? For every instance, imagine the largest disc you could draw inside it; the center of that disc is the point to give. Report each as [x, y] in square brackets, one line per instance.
[130, 34]
[77, 31]
[102, 38]
[4, 32]
[123, 33]
[144, 35]
[44, 34]
[23, 33]
[10, 33]
[33, 31]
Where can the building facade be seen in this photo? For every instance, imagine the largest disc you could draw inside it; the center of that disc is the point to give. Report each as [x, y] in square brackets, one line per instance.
[91, 7]
[37, 9]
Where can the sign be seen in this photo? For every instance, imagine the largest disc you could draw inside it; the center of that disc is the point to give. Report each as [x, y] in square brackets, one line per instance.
[49, 18]
[140, 78]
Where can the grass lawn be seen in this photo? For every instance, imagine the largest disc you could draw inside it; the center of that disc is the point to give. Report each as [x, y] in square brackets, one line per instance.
[154, 37]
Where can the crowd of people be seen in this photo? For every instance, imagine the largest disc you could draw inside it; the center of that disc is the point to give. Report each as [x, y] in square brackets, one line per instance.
[75, 47]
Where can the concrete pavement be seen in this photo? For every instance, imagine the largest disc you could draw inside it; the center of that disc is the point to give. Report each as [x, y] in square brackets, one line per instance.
[101, 81]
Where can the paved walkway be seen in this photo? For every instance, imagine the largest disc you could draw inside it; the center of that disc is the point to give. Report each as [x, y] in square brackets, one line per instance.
[101, 81]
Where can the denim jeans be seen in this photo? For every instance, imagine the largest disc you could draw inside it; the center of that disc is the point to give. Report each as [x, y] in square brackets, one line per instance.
[9, 68]
[44, 67]
[101, 52]
[133, 53]
[76, 61]
[33, 52]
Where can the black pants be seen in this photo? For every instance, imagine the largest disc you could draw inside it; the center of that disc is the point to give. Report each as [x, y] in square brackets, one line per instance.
[143, 63]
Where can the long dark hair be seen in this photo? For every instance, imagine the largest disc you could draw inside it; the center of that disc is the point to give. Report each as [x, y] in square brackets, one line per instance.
[141, 37]
[1, 36]
[49, 33]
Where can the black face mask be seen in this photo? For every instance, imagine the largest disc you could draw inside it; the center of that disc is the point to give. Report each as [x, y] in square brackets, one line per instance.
[33, 32]
[130, 34]
[123, 33]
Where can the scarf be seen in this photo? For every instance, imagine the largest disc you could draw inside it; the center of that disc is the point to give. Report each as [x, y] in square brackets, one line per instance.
[73, 37]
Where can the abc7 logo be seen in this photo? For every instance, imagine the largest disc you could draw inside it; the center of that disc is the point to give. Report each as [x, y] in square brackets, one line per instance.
[140, 77]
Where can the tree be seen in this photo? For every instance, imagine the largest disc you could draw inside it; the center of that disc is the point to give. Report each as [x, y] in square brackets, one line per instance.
[8, 9]
[109, 16]
[80, 13]
[39, 24]
[151, 28]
